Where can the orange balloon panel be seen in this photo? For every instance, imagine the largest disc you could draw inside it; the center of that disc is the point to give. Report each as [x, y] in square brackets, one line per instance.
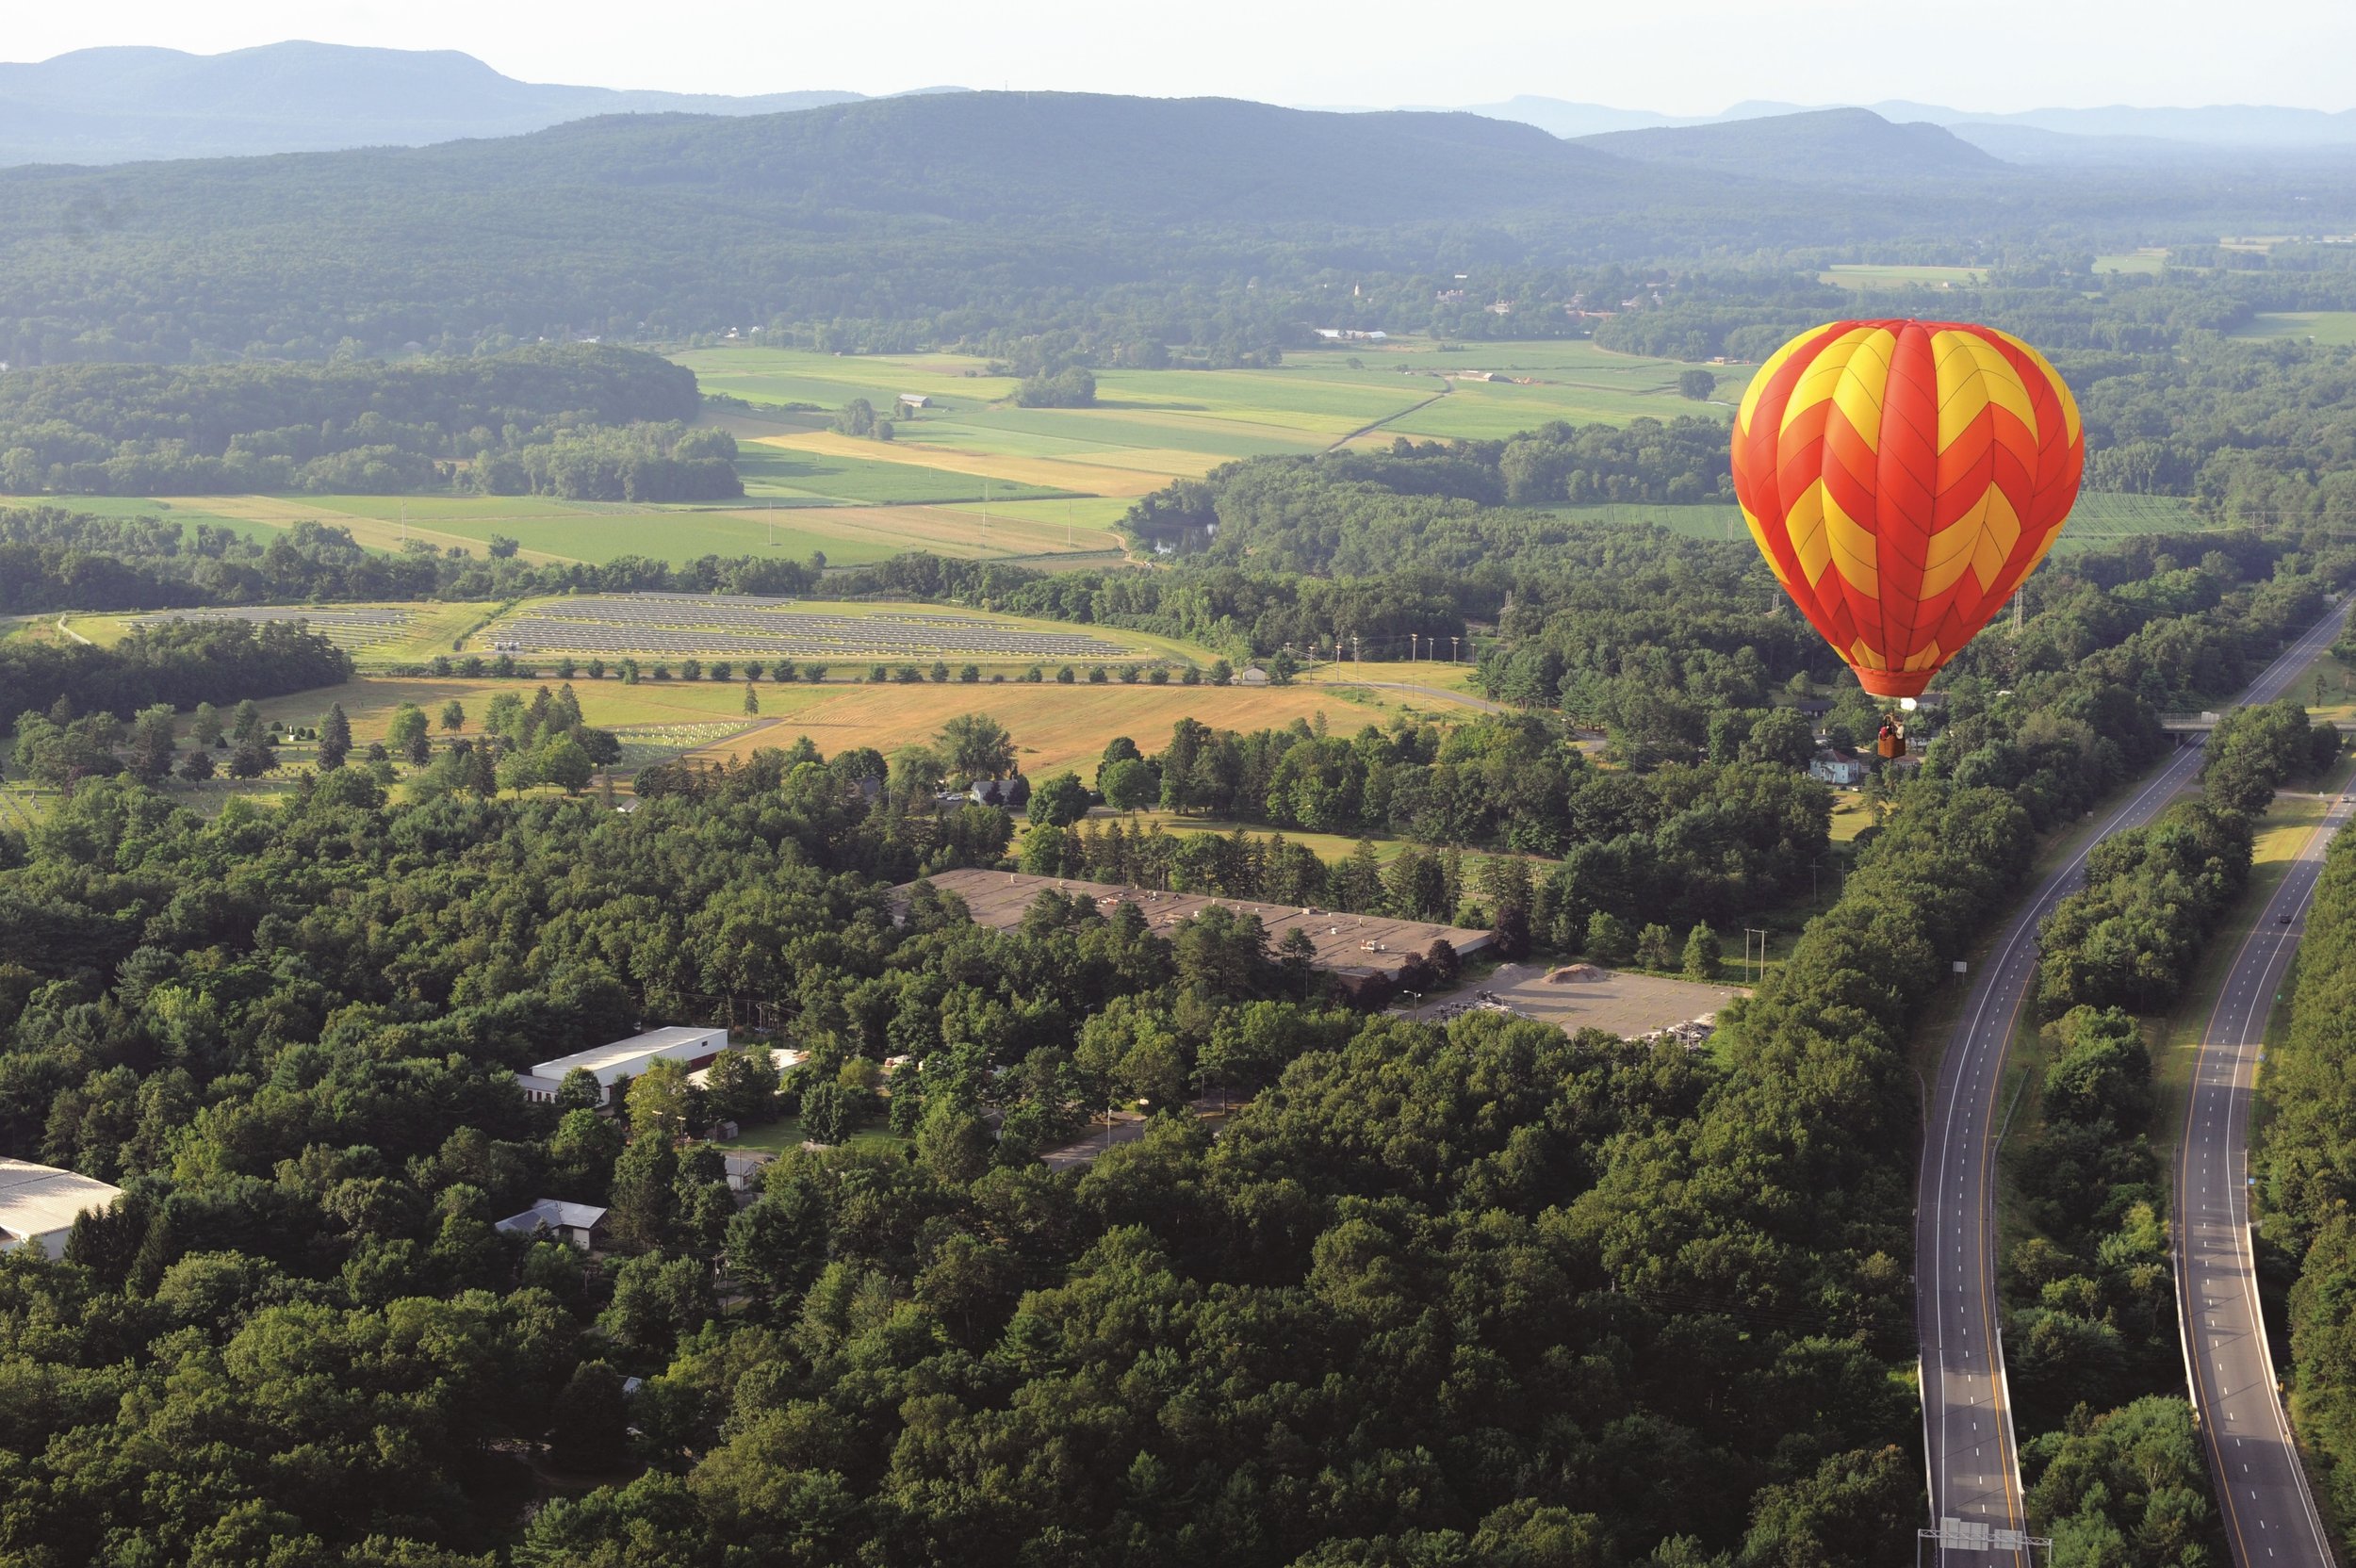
[1901, 478]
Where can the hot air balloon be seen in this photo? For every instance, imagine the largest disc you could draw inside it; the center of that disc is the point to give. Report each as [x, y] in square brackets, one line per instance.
[1901, 478]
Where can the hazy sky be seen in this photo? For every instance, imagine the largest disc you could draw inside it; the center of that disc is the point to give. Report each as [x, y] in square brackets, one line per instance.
[1679, 56]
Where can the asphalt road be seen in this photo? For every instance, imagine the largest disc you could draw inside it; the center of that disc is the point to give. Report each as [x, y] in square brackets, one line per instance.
[1973, 1464]
[2270, 1512]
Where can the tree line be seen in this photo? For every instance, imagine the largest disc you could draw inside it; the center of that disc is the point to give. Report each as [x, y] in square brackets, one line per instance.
[581, 420]
[52, 560]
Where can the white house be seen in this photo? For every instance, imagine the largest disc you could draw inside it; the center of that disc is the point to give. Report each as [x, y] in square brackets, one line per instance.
[1843, 768]
[38, 1205]
[623, 1059]
[575, 1223]
[1252, 674]
[915, 400]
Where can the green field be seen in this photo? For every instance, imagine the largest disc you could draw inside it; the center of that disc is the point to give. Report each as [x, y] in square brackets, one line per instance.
[2334, 329]
[1150, 426]
[2146, 261]
[2098, 519]
[552, 529]
[185, 511]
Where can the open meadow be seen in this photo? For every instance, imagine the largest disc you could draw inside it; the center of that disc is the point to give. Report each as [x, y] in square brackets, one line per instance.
[2331, 329]
[1055, 727]
[1149, 427]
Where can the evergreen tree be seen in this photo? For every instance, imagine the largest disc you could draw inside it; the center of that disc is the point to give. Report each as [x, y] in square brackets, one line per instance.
[335, 737]
[1703, 954]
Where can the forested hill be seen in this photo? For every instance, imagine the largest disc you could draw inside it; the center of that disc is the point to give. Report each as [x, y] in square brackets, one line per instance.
[112, 105]
[960, 212]
[1823, 146]
[912, 222]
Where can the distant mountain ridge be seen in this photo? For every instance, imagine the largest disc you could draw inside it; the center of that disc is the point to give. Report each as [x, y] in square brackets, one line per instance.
[2117, 135]
[1839, 147]
[121, 104]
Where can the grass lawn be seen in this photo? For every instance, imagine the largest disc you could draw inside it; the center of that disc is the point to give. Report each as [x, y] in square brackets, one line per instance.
[1419, 672]
[786, 1132]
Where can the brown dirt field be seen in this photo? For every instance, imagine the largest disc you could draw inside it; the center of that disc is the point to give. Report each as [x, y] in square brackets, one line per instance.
[916, 453]
[1621, 1004]
[1054, 726]
[998, 899]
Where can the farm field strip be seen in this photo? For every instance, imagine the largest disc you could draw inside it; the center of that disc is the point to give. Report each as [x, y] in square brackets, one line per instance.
[1047, 472]
[743, 625]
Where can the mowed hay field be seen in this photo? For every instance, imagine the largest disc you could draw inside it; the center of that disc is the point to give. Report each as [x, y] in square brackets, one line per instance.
[1054, 726]
[370, 701]
[790, 528]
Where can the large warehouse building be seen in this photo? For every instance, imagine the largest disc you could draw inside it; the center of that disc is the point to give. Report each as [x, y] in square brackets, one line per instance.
[38, 1205]
[609, 1064]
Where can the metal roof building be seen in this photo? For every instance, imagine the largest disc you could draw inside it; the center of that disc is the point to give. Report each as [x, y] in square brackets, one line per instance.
[624, 1059]
[38, 1205]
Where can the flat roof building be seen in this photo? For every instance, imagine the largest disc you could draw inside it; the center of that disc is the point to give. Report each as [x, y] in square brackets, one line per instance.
[38, 1205]
[623, 1059]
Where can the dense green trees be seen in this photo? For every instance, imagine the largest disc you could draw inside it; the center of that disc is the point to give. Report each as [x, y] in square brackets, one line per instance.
[527, 419]
[178, 663]
[2132, 936]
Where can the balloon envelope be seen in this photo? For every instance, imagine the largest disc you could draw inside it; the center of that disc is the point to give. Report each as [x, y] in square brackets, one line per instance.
[1901, 478]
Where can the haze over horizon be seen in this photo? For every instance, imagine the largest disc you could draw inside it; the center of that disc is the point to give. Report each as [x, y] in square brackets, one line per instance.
[2022, 55]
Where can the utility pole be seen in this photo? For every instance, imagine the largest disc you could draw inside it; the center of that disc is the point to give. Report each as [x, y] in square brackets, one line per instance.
[1748, 932]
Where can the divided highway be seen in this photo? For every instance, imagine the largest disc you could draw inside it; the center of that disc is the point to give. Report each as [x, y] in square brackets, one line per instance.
[1972, 1462]
[2270, 1514]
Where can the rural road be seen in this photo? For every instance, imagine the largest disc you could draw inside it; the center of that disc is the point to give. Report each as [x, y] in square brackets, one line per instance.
[1972, 1462]
[2270, 1514]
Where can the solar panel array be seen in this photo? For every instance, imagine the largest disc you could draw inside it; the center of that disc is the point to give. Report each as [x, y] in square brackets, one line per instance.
[749, 624]
[346, 627]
